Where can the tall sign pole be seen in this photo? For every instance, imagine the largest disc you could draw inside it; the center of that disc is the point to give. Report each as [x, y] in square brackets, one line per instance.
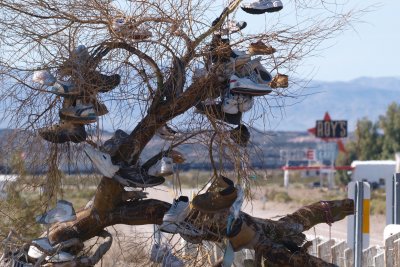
[358, 224]
[330, 130]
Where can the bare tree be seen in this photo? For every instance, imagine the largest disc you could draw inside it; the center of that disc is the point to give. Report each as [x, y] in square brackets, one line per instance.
[158, 84]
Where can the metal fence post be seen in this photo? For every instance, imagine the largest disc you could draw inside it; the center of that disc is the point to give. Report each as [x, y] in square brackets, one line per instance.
[358, 236]
[396, 198]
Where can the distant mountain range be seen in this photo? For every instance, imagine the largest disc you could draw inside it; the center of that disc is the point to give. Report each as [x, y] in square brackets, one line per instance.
[363, 97]
[352, 100]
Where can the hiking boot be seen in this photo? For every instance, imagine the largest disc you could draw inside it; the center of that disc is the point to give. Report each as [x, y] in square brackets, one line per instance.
[64, 89]
[241, 235]
[220, 183]
[240, 135]
[103, 83]
[279, 81]
[247, 86]
[177, 213]
[102, 161]
[64, 132]
[44, 77]
[259, 48]
[215, 111]
[79, 114]
[111, 145]
[163, 167]
[62, 212]
[135, 177]
[214, 201]
[262, 6]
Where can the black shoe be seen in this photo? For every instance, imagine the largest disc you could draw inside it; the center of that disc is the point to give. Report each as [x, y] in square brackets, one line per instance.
[215, 111]
[240, 135]
[111, 145]
[64, 132]
[139, 178]
[104, 83]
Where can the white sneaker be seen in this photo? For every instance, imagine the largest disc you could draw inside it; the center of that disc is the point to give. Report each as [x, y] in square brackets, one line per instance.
[102, 161]
[62, 212]
[42, 246]
[61, 256]
[245, 102]
[230, 105]
[177, 213]
[262, 6]
[43, 77]
[255, 66]
[39, 247]
[163, 167]
[247, 87]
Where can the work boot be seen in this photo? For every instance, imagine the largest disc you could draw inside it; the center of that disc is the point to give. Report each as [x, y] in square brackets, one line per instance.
[214, 201]
[259, 48]
[279, 81]
[241, 235]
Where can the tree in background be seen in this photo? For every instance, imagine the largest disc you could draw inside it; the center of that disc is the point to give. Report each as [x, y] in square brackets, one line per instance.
[389, 124]
[373, 140]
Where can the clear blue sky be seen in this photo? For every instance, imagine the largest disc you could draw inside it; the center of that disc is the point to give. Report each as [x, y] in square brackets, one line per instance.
[369, 48]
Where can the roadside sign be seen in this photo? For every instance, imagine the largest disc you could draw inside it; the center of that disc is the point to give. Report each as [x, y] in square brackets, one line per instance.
[327, 151]
[310, 154]
[331, 129]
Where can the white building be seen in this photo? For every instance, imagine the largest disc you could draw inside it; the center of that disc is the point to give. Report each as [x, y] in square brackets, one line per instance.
[377, 171]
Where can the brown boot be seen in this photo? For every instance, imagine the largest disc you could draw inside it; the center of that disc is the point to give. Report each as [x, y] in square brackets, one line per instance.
[241, 235]
[279, 81]
[259, 48]
[214, 201]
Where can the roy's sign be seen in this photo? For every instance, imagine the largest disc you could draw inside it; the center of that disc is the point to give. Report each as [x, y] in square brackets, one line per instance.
[331, 129]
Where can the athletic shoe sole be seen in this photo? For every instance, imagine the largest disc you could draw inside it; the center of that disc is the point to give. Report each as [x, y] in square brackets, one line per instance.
[142, 184]
[256, 11]
[247, 91]
[78, 120]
